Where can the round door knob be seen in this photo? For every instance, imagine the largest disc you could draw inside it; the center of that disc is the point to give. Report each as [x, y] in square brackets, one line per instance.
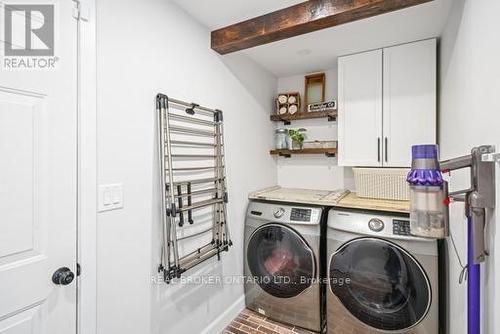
[376, 225]
[63, 276]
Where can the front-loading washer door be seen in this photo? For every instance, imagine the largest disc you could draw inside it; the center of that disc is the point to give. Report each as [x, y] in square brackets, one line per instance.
[280, 260]
[380, 284]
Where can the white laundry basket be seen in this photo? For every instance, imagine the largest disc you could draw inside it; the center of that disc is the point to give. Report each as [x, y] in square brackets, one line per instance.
[382, 183]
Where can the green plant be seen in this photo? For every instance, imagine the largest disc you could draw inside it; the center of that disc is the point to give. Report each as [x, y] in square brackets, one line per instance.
[297, 136]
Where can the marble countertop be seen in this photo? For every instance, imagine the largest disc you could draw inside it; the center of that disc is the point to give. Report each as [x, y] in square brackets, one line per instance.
[352, 201]
[301, 196]
[337, 198]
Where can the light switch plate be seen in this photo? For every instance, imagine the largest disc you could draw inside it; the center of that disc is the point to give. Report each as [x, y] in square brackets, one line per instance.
[110, 197]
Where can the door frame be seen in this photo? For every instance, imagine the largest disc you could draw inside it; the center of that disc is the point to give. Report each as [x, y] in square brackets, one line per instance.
[87, 169]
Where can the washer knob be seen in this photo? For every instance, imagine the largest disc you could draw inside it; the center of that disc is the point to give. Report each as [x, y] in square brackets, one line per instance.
[376, 225]
[279, 212]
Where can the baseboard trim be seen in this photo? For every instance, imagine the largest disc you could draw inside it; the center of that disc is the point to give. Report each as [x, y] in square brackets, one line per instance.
[221, 322]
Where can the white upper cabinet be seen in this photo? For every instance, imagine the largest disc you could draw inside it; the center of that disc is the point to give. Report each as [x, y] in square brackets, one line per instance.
[360, 109]
[387, 103]
[409, 100]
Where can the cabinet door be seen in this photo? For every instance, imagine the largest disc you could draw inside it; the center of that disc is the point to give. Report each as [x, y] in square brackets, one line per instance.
[360, 109]
[409, 100]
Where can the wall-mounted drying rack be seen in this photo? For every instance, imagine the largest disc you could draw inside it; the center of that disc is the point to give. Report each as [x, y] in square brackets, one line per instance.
[193, 179]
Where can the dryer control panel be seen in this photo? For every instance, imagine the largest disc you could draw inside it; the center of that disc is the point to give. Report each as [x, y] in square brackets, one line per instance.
[300, 215]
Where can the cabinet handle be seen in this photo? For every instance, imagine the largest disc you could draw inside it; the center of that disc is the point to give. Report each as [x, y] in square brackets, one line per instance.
[386, 150]
[378, 149]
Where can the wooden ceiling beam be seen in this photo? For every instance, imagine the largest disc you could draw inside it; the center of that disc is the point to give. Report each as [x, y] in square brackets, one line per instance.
[300, 19]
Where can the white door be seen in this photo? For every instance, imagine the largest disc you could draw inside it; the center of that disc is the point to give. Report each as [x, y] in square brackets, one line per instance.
[360, 109]
[38, 175]
[409, 100]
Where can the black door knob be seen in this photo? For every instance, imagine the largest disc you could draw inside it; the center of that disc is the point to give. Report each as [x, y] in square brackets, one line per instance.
[63, 276]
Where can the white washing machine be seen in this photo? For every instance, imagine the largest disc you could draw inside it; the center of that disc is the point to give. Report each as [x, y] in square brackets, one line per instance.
[380, 278]
[283, 263]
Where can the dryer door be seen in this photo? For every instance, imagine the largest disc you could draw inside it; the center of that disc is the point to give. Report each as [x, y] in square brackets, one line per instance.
[383, 286]
[280, 260]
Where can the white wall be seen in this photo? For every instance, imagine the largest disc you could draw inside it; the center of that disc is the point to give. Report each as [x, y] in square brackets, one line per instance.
[470, 116]
[313, 172]
[146, 47]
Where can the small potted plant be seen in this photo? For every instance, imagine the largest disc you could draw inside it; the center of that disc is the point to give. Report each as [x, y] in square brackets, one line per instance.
[297, 137]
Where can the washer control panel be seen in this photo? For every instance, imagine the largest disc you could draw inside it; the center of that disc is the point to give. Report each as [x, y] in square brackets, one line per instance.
[401, 227]
[300, 215]
[372, 224]
[285, 214]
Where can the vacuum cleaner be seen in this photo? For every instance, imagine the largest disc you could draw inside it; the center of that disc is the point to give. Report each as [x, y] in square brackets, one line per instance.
[430, 199]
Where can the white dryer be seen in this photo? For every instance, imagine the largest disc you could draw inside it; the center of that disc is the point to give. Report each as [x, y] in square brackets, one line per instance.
[380, 278]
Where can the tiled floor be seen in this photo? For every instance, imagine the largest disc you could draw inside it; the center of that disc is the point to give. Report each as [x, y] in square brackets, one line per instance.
[249, 322]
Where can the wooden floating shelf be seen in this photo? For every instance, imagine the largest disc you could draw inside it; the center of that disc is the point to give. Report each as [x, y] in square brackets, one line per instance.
[287, 118]
[329, 152]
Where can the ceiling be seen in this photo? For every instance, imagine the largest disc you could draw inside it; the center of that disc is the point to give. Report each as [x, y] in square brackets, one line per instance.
[216, 14]
[319, 50]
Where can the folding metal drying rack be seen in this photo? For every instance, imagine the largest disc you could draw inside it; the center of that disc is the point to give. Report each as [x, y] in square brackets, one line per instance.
[199, 128]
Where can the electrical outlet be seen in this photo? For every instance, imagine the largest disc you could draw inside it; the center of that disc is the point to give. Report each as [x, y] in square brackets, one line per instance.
[110, 197]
